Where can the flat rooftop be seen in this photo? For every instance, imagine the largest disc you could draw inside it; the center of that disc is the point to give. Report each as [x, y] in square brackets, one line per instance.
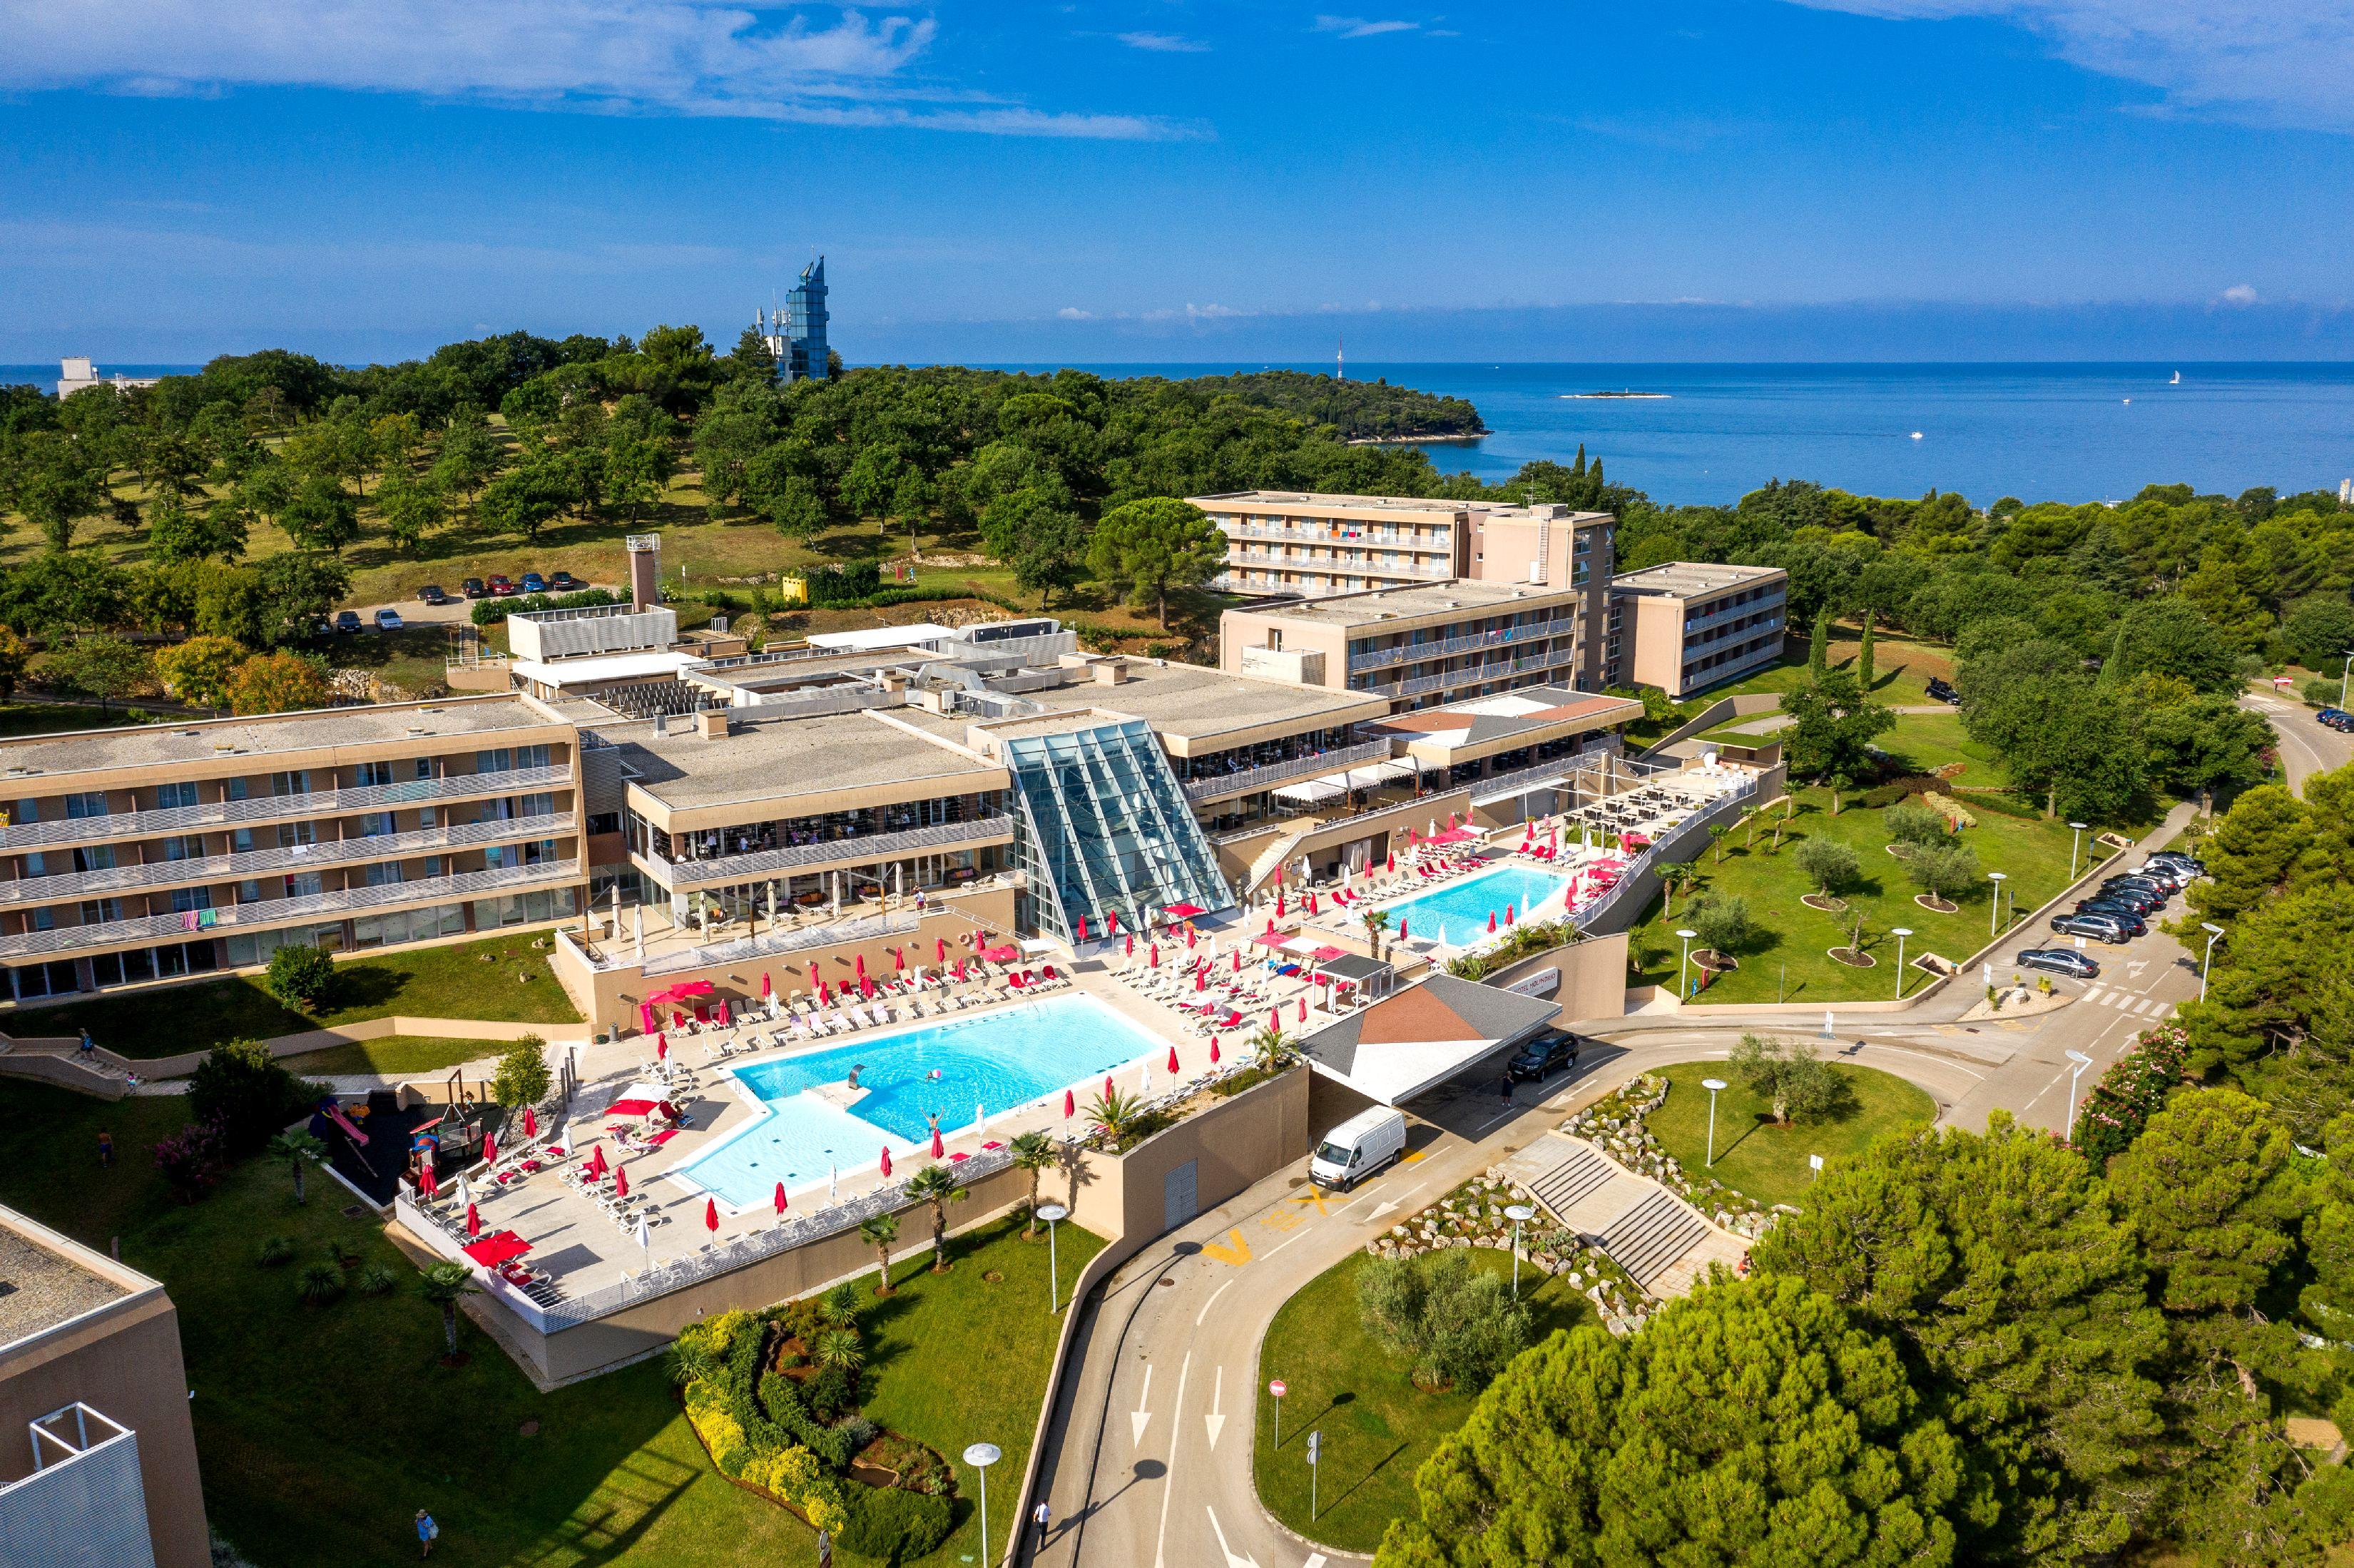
[1689, 579]
[1465, 596]
[770, 759]
[149, 745]
[1500, 510]
[1193, 701]
[41, 1288]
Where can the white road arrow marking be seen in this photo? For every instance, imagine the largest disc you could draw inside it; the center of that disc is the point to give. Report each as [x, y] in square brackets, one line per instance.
[1245, 1561]
[1384, 1209]
[1217, 1396]
[1169, 1477]
[1139, 1415]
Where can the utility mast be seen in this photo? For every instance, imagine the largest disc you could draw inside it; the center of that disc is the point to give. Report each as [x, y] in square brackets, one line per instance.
[1340, 360]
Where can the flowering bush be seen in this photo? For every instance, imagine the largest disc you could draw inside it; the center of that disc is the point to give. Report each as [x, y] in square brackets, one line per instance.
[2132, 1091]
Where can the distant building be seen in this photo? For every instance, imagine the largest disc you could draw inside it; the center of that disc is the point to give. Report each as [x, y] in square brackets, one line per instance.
[1682, 627]
[1311, 546]
[802, 354]
[78, 373]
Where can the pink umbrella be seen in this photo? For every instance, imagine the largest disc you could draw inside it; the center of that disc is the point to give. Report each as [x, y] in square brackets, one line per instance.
[886, 1159]
[1200, 983]
[1401, 927]
[530, 1122]
[937, 1150]
[1238, 956]
[1130, 951]
[780, 1197]
[1189, 936]
[1153, 953]
[662, 1046]
[1213, 1050]
[1070, 1102]
[768, 989]
[940, 950]
[866, 987]
[1107, 1086]
[898, 959]
[621, 1181]
[861, 966]
[1270, 927]
[474, 1222]
[596, 1162]
[1172, 1061]
[1508, 914]
[490, 1150]
[1312, 904]
[677, 1019]
[1279, 902]
[710, 1214]
[1392, 864]
[1083, 927]
[1492, 920]
[1275, 1020]
[1303, 1008]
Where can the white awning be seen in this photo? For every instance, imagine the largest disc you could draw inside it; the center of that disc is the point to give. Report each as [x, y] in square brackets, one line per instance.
[1310, 792]
[1330, 786]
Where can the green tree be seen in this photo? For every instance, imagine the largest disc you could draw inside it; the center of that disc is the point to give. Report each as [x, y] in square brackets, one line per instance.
[522, 1077]
[248, 1094]
[1864, 656]
[1941, 871]
[1829, 864]
[299, 976]
[1035, 1153]
[1458, 1326]
[2170, 637]
[100, 666]
[1818, 644]
[1914, 826]
[296, 1149]
[2000, 1264]
[882, 1233]
[15, 653]
[1834, 725]
[1052, 555]
[1148, 547]
[293, 591]
[2250, 851]
[276, 684]
[200, 670]
[176, 534]
[410, 511]
[321, 517]
[1800, 1085]
[1722, 920]
[2207, 1186]
[522, 499]
[1750, 1422]
[936, 1187]
[443, 1285]
[56, 483]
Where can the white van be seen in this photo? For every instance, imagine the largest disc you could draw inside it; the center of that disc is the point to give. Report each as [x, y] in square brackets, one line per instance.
[1357, 1147]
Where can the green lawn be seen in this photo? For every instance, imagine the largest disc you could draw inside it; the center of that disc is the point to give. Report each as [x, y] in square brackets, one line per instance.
[395, 1054]
[1925, 742]
[45, 718]
[423, 982]
[1754, 1156]
[2032, 853]
[1377, 1426]
[322, 1430]
[1899, 669]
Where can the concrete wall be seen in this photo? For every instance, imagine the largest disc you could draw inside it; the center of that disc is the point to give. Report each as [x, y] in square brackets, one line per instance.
[1591, 976]
[1748, 705]
[1230, 1145]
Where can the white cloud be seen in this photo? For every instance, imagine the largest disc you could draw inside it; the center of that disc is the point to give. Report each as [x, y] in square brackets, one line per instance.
[1164, 43]
[2272, 62]
[2240, 294]
[1359, 27]
[682, 56]
[1073, 314]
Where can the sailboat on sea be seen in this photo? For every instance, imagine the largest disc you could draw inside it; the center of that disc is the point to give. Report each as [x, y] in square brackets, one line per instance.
[2178, 379]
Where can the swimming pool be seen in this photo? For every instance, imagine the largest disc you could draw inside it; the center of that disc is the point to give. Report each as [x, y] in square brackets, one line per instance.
[1458, 913]
[998, 1062]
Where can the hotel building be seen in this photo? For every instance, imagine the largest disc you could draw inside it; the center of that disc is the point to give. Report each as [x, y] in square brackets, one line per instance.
[1684, 626]
[1309, 546]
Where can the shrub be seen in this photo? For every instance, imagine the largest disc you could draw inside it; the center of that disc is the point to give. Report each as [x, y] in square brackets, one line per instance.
[245, 1095]
[376, 1279]
[522, 1078]
[191, 1159]
[273, 1251]
[1829, 864]
[1941, 871]
[893, 1525]
[2001, 805]
[1898, 789]
[319, 1282]
[299, 976]
[491, 612]
[1458, 1326]
[706, 1411]
[831, 1391]
[1801, 1087]
[2133, 1090]
[1915, 825]
[1951, 810]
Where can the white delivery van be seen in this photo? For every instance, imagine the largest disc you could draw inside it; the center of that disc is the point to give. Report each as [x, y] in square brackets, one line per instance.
[1358, 1146]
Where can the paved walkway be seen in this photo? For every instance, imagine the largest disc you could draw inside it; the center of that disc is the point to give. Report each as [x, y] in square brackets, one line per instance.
[1662, 1242]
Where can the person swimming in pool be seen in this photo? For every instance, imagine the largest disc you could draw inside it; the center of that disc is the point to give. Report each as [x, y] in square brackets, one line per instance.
[932, 1076]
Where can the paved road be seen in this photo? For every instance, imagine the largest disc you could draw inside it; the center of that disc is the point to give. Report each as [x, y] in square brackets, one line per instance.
[2306, 746]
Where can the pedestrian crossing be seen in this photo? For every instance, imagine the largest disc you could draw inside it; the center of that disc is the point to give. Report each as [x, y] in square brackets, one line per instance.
[2147, 1007]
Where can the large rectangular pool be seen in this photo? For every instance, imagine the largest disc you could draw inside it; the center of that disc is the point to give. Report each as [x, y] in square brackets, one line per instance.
[1458, 913]
[998, 1062]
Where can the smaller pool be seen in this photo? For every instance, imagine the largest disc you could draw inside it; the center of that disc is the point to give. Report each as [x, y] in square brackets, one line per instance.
[998, 1062]
[1458, 913]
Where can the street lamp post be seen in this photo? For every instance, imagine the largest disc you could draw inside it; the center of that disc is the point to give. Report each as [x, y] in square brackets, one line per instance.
[2075, 843]
[1900, 933]
[2212, 931]
[1711, 1086]
[1994, 915]
[2082, 1062]
[981, 1456]
[1683, 965]
[1516, 1212]
[2343, 676]
[1050, 1213]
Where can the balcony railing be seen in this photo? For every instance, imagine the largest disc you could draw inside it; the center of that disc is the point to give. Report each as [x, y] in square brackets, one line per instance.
[1732, 612]
[1436, 543]
[174, 820]
[280, 860]
[1415, 653]
[679, 875]
[1250, 780]
[271, 912]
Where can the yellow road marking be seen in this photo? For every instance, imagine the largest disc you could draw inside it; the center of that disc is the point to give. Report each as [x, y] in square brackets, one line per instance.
[1237, 1251]
[1312, 1198]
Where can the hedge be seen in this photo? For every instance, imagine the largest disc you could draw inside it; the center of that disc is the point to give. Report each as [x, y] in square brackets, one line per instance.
[491, 612]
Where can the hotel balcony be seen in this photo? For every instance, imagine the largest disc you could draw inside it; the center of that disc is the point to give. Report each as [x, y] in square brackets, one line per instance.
[1251, 781]
[1415, 653]
[1344, 533]
[175, 819]
[268, 911]
[757, 865]
[279, 860]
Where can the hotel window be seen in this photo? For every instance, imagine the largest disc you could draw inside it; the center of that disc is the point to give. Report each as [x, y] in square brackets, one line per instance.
[377, 824]
[169, 795]
[384, 874]
[372, 773]
[92, 803]
[294, 782]
[94, 857]
[99, 911]
[297, 835]
[188, 846]
[185, 899]
[304, 884]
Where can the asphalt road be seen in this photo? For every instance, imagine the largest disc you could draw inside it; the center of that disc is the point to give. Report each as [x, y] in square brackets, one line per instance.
[2306, 745]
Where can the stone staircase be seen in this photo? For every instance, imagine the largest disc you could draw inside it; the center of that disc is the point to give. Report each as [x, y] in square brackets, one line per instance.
[1663, 1243]
[1653, 1236]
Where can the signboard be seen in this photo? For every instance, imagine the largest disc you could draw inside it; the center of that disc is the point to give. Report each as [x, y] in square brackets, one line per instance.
[1544, 983]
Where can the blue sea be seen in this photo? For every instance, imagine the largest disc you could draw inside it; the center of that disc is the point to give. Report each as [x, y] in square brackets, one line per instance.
[2053, 431]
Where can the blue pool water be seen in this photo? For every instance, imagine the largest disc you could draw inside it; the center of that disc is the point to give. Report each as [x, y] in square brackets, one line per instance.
[1000, 1061]
[1459, 912]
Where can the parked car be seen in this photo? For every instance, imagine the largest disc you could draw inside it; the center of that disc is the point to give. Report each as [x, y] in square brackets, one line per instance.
[2123, 914]
[564, 582]
[1942, 692]
[2190, 865]
[473, 587]
[502, 588]
[534, 583]
[348, 620]
[2061, 962]
[1357, 1147]
[388, 620]
[431, 594]
[2099, 927]
[1543, 1057]
[2148, 887]
[2166, 873]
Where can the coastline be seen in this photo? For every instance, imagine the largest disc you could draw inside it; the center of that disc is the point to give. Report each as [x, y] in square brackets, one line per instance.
[1468, 438]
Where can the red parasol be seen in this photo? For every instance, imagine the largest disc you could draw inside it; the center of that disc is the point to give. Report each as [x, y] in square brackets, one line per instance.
[1200, 983]
[937, 1150]
[780, 1197]
[474, 1222]
[1303, 1008]
[1213, 1050]
[429, 1181]
[621, 1181]
[490, 1149]
[1189, 938]
[1130, 951]
[710, 1214]
[1238, 956]
[1153, 954]
[1070, 1102]
[1491, 920]
[1401, 927]
[886, 1159]
[1083, 927]
[596, 1162]
[1275, 1020]
[1393, 862]
[768, 987]
[1278, 902]
[1172, 1061]
[1111, 919]
[861, 966]
[940, 950]
[1508, 914]
[898, 959]
[530, 1122]
[1107, 1086]
[662, 1046]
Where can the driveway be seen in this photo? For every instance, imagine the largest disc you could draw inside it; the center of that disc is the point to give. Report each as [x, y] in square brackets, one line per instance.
[2306, 745]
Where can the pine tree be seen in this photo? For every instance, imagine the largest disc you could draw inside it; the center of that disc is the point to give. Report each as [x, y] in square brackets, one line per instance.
[1864, 656]
[1577, 469]
[1818, 650]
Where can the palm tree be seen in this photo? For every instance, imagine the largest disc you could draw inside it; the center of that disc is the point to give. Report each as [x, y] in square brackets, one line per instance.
[298, 1148]
[839, 1348]
[1377, 924]
[937, 1186]
[1033, 1152]
[840, 1305]
[1269, 1044]
[442, 1285]
[1718, 834]
[882, 1233]
[1115, 1113]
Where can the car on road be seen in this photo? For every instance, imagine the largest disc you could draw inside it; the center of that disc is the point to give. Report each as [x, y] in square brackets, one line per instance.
[502, 588]
[388, 620]
[1358, 1148]
[2125, 914]
[474, 588]
[1942, 692]
[1543, 1057]
[431, 594]
[564, 582]
[348, 620]
[534, 583]
[2061, 962]
[2099, 927]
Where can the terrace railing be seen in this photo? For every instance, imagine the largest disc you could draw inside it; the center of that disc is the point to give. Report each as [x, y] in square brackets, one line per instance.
[1250, 780]
[176, 819]
[760, 864]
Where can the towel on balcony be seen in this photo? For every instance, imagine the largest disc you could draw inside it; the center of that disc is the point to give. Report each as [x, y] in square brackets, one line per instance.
[206, 919]
[188, 920]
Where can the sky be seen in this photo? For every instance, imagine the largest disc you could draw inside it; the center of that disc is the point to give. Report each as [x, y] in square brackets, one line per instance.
[1186, 179]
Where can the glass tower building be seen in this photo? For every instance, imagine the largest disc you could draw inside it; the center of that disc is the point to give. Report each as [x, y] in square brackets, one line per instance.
[805, 358]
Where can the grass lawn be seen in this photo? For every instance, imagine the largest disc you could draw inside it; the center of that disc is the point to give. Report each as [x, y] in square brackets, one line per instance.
[1900, 669]
[1927, 741]
[423, 982]
[1766, 1162]
[2032, 853]
[45, 718]
[322, 1430]
[402, 1054]
[1377, 1426]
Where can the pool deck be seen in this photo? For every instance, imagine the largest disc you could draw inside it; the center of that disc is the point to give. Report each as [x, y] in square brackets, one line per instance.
[573, 1240]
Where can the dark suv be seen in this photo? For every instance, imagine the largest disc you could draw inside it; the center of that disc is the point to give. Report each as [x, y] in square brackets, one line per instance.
[474, 588]
[1542, 1058]
[2099, 927]
[2143, 895]
[2125, 914]
[1941, 691]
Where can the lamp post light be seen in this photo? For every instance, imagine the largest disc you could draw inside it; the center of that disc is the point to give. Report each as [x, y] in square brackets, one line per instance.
[1050, 1213]
[2212, 931]
[1711, 1086]
[2343, 676]
[981, 1456]
[1900, 933]
[1516, 1212]
[2075, 843]
[1683, 965]
[1994, 915]
[2082, 1062]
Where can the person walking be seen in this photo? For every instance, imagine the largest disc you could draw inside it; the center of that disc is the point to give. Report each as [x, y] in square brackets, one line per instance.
[1042, 1516]
[106, 1148]
[1504, 1088]
[427, 1534]
[89, 1047]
